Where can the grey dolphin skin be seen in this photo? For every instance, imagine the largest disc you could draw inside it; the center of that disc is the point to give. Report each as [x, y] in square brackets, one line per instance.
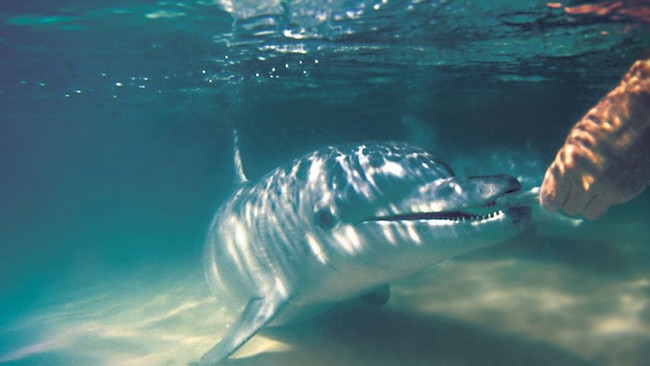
[341, 222]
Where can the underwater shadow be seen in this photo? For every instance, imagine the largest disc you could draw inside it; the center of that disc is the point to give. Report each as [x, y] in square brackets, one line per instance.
[385, 337]
[575, 250]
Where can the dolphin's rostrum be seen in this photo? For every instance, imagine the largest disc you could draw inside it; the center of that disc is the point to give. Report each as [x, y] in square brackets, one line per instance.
[340, 222]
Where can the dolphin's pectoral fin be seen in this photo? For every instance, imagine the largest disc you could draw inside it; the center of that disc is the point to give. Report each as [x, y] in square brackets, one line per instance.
[378, 296]
[258, 313]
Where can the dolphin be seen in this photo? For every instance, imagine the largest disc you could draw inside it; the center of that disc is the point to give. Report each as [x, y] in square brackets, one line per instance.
[340, 223]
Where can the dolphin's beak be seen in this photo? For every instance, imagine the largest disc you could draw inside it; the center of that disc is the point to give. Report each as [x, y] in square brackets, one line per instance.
[473, 198]
[458, 194]
[520, 198]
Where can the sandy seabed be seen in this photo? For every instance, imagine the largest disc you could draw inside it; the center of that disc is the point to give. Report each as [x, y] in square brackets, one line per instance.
[556, 295]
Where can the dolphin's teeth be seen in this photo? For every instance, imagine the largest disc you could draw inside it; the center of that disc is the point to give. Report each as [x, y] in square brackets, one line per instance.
[449, 216]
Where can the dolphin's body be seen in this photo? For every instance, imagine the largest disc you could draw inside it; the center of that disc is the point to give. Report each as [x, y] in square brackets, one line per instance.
[341, 222]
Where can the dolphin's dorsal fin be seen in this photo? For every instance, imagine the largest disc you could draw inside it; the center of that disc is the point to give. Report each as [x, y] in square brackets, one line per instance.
[240, 176]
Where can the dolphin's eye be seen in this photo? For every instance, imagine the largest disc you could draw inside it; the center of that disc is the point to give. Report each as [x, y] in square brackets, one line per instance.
[324, 219]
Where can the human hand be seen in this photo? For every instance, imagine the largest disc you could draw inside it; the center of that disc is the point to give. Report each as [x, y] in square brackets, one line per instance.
[606, 157]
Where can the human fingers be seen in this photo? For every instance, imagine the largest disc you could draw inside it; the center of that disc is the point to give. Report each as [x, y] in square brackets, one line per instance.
[554, 191]
[597, 207]
[581, 193]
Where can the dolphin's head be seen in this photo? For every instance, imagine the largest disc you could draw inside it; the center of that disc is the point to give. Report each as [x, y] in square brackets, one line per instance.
[392, 194]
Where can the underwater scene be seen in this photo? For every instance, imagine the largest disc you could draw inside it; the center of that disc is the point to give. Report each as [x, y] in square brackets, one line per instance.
[116, 152]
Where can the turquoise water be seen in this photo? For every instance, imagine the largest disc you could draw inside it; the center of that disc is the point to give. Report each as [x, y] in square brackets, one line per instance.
[115, 124]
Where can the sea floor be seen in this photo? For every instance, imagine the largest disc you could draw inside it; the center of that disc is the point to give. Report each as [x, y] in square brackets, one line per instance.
[556, 295]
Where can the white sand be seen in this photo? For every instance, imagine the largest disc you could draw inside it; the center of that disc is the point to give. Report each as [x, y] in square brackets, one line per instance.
[577, 296]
